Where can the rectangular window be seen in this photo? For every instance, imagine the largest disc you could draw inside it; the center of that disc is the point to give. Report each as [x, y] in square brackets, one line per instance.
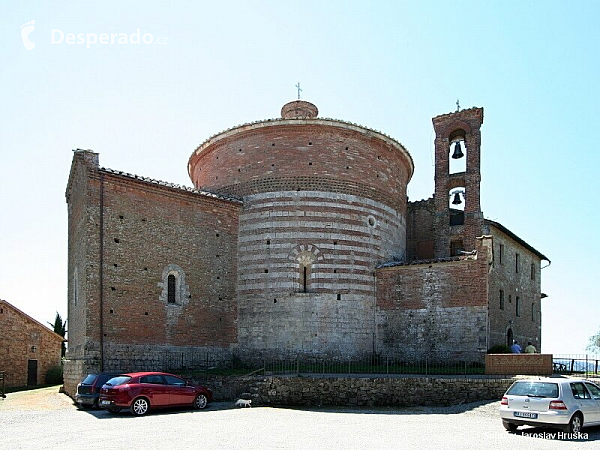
[501, 252]
[517, 307]
[516, 263]
[533, 312]
[501, 299]
[532, 271]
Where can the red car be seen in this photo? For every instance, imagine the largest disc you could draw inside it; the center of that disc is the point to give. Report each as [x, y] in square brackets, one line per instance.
[142, 391]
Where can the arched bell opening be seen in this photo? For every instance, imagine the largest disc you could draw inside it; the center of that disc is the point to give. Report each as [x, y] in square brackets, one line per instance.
[457, 151]
[456, 205]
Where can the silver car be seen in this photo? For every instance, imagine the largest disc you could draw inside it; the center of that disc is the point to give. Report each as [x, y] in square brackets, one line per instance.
[566, 403]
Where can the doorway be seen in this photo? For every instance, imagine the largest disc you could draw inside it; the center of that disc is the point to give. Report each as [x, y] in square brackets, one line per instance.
[32, 372]
[509, 337]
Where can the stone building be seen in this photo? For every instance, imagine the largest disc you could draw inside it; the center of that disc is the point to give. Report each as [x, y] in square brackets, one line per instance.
[297, 239]
[27, 348]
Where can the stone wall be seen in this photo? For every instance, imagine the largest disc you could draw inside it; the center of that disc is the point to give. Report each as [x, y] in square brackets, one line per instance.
[392, 391]
[515, 293]
[437, 307]
[306, 283]
[23, 339]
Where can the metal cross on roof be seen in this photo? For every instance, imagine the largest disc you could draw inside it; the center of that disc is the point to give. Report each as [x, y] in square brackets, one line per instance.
[299, 90]
[457, 105]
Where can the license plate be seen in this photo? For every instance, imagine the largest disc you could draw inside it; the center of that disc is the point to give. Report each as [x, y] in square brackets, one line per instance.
[104, 403]
[526, 415]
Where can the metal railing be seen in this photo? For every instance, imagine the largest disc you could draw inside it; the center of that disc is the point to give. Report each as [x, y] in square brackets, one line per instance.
[576, 364]
[373, 366]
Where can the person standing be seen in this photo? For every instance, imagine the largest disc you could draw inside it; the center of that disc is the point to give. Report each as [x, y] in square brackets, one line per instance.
[530, 348]
[515, 348]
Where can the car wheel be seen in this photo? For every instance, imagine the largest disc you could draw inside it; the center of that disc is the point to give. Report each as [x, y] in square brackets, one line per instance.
[511, 427]
[200, 402]
[575, 424]
[140, 406]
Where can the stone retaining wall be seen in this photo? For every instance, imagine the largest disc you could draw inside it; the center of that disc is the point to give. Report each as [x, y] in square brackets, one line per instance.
[390, 391]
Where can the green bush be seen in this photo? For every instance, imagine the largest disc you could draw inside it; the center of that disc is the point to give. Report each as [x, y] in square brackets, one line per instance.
[500, 348]
[54, 375]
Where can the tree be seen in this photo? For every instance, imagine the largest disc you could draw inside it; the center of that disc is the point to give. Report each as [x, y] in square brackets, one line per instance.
[60, 328]
[594, 345]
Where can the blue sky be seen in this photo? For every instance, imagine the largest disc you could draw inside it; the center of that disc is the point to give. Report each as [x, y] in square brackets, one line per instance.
[533, 66]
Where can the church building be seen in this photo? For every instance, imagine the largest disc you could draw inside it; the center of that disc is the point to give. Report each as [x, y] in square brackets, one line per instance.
[297, 240]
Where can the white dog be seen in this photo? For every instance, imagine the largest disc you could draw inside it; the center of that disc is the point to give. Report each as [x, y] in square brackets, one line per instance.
[243, 403]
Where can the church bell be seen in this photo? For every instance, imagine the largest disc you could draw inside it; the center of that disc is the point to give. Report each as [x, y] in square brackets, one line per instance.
[457, 151]
[456, 200]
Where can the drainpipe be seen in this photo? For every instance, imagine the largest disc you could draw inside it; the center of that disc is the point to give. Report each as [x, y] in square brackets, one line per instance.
[101, 273]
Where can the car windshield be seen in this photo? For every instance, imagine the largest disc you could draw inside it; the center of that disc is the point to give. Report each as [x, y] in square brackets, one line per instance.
[116, 381]
[89, 379]
[534, 389]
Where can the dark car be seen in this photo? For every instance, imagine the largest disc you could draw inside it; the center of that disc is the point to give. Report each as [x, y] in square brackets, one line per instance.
[142, 391]
[88, 390]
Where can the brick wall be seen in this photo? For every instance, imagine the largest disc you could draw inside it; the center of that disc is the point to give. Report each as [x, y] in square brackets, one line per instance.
[313, 154]
[148, 231]
[466, 124]
[420, 232]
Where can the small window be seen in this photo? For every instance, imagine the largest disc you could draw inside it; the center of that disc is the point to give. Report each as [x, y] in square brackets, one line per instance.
[517, 307]
[304, 276]
[501, 299]
[501, 253]
[171, 281]
[533, 312]
[456, 248]
[516, 263]
[532, 271]
[174, 290]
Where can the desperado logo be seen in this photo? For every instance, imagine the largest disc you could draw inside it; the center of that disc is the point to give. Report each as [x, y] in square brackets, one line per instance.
[89, 39]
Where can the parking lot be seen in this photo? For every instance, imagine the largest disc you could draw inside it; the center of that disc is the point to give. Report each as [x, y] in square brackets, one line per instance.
[45, 418]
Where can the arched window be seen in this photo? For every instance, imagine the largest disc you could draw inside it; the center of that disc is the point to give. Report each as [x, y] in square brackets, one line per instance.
[171, 282]
[306, 257]
[174, 289]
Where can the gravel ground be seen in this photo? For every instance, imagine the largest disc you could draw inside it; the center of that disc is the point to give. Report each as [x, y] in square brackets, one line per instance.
[44, 418]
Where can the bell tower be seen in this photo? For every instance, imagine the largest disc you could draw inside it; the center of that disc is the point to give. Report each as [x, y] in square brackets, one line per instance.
[458, 216]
